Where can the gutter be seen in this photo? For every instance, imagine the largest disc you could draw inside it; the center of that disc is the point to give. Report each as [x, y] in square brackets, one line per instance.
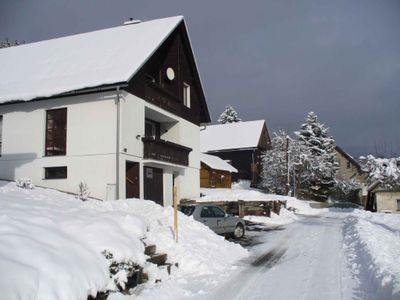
[117, 144]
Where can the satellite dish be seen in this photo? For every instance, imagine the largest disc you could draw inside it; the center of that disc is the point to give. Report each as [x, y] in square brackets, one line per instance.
[170, 74]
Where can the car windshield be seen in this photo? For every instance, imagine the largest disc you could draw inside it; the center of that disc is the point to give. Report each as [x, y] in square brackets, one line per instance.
[187, 210]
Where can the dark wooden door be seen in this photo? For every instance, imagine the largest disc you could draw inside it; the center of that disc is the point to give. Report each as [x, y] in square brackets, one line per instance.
[132, 180]
[153, 184]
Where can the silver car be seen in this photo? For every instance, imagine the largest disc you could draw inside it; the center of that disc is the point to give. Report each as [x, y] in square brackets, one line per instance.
[215, 218]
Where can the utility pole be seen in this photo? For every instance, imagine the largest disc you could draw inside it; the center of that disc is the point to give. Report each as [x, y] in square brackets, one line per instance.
[287, 166]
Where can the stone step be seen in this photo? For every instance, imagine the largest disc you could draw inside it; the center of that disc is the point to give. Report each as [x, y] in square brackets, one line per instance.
[158, 259]
[150, 250]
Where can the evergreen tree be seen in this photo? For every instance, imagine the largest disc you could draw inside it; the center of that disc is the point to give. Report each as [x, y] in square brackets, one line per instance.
[7, 43]
[229, 115]
[274, 168]
[321, 161]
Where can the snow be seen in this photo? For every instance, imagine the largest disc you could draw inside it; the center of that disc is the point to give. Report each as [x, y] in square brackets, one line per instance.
[51, 242]
[92, 59]
[373, 244]
[240, 135]
[216, 163]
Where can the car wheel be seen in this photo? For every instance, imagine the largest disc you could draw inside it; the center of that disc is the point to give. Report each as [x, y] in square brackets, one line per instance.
[239, 231]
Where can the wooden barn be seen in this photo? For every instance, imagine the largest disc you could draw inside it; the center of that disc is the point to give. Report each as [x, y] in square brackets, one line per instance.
[215, 172]
[241, 143]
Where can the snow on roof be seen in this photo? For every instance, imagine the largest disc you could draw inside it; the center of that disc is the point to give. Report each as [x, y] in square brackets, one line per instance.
[86, 60]
[240, 135]
[216, 163]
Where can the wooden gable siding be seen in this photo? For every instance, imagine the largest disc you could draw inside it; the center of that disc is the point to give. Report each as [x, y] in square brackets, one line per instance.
[152, 84]
[265, 142]
[211, 178]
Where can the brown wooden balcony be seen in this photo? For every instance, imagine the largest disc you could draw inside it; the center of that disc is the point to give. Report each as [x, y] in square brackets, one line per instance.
[161, 150]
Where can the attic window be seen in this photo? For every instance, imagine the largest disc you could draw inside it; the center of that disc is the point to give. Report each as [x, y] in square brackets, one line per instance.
[348, 165]
[186, 94]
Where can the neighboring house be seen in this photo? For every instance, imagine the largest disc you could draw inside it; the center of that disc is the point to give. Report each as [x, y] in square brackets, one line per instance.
[119, 109]
[350, 169]
[239, 143]
[215, 172]
[382, 199]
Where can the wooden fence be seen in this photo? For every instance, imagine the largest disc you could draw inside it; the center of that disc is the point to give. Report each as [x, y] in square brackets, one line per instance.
[243, 208]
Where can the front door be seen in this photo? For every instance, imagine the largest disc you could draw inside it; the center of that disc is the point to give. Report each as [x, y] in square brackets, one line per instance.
[132, 181]
[153, 184]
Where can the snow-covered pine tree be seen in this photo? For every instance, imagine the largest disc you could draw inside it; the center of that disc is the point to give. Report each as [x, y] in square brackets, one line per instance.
[274, 168]
[7, 43]
[229, 115]
[273, 165]
[383, 170]
[321, 161]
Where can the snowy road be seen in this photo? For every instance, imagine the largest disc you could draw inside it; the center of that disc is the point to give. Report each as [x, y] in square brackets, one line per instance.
[304, 260]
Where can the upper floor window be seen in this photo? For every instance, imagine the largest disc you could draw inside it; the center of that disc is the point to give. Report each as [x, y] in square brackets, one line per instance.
[56, 132]
[152, 129]
[1, 132]
[186, 94]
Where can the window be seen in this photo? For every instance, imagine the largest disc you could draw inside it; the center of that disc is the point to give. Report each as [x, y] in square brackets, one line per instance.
[55, 173]
[348, 165]
[56, 132]
[398, 204]
[186, 94]
[219, 213]
[206, 212]
[1, 130]
[152, 129]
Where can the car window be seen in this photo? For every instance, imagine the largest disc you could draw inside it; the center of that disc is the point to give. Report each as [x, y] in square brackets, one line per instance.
[206, 212]
[187, 210]
[219, 213]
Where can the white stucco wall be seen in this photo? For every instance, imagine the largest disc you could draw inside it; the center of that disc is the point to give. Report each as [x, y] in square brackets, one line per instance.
[173, 129]
[91, 145]
[387, 201]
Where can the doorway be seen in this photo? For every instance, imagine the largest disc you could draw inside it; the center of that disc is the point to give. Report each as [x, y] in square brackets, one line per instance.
[132, 180]
[153, 184]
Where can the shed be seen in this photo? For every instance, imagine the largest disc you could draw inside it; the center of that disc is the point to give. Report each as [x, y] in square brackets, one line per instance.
[215, 172]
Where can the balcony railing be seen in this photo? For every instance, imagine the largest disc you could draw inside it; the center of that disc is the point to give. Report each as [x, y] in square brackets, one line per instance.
[161, 150]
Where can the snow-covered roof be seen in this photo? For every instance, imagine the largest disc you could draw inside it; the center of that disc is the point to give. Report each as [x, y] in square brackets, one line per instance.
[216, 163]
[240, 135]
[87, 60]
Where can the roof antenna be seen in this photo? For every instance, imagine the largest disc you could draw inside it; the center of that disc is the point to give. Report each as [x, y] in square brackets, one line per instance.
[132, 21]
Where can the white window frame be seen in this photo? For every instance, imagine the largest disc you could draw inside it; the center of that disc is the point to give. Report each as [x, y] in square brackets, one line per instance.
[186, 94]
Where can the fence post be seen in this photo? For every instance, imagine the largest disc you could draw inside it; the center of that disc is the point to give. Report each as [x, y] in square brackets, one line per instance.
[241, 208]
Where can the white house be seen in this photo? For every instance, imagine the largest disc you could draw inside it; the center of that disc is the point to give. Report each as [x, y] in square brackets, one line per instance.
[119, 109]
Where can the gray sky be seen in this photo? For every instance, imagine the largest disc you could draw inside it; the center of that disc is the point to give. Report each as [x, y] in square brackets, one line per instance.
[273, 60]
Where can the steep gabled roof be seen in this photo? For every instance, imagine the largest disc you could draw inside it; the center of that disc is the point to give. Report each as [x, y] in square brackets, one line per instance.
[231, 136]
[349, 158]
[216, 163]
[88, 60]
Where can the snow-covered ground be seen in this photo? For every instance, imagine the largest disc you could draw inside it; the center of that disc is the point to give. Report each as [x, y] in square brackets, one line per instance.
[51, 243]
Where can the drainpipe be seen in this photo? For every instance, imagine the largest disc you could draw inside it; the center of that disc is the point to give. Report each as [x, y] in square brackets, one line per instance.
[117, 145]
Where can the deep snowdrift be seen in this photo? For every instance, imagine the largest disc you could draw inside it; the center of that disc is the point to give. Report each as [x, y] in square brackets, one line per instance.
[51, 243]
[373, 244]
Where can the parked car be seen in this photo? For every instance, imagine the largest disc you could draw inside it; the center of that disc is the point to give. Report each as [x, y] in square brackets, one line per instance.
[216, 218]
